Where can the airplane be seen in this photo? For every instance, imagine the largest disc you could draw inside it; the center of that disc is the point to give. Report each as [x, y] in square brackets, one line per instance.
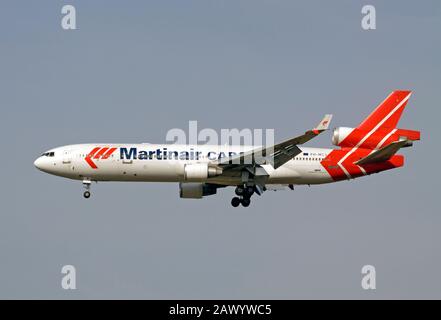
[200, 170]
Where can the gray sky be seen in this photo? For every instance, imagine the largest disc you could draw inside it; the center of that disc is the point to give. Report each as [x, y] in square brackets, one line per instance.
[134, 70]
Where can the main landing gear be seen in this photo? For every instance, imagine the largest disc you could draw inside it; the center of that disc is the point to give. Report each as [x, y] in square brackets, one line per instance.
[86, 185]
[244, 194]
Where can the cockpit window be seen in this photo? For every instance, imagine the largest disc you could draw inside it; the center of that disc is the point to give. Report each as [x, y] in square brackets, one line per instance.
[48, 154]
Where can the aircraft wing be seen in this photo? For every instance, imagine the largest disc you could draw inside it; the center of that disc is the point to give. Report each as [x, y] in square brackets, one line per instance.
[277, 154]
[384, 153]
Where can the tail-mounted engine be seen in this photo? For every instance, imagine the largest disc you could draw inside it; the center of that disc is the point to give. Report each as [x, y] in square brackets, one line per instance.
[339, 134]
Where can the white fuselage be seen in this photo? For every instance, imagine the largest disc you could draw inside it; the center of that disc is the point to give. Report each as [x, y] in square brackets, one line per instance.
[166, 163]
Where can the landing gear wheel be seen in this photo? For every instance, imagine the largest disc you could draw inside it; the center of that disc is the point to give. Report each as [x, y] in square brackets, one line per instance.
[235, 202]
[239, 191]
[246, 202]
[249, 191]
[86, 185]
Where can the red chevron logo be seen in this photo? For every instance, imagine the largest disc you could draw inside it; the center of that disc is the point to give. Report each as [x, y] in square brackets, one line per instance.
[98, 153]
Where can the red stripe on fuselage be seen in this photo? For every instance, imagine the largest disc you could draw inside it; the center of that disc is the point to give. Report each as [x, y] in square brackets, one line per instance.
[330, 163]
[100, 153]
[90, 155]
[108, 153]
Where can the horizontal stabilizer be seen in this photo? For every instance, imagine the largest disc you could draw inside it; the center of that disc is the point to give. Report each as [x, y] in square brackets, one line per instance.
[384, 153]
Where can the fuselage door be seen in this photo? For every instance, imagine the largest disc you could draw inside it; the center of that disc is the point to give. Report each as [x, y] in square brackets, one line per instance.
[67, 156]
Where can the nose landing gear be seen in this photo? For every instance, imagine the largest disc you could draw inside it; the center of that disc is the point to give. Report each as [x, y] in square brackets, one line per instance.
[86, 185]
[244, 194]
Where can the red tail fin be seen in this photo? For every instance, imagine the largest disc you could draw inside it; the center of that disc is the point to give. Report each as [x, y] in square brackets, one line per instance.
[388, 113]
[380, 127]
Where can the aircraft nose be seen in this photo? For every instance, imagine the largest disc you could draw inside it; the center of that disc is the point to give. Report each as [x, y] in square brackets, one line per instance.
[38, 163]
[42, 164]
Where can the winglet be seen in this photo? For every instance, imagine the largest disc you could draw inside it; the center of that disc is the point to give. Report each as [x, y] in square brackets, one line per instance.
[323, 125]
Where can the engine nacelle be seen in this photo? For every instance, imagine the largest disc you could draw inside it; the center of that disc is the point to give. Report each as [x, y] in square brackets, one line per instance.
[339, 134]
[200, 172]
[350, 137]
[196, 190]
